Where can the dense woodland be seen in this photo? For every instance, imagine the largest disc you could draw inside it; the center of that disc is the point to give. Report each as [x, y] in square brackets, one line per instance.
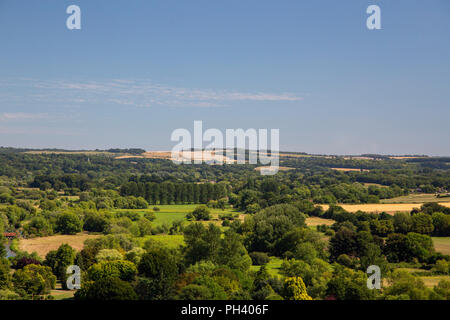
[260, 219]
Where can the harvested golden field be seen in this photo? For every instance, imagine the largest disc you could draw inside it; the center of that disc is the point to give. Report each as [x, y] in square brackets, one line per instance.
[382, 207]
[182, 155]
[432, 281]
[417, 198]
[400, 158]
[70, 152]
[45, 244]
[350, 169]
[269, 168]
[315, 221]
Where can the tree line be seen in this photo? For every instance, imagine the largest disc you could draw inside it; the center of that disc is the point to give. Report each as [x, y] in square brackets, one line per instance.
[174, 193]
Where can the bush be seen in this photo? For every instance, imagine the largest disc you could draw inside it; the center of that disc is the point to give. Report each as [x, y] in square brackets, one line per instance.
[259, 258]
[295, 289]
[24, 261]
[34, 280]
[226, 223]
[108, 255]
[107, 289]
[95, 223]
[121, 269]
[201, 213]
[68, 223]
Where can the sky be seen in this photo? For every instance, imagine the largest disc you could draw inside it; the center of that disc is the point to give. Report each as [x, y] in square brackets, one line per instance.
[137, 70]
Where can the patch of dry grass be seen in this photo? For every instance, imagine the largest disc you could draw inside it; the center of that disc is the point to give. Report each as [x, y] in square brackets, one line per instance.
[442, 244]
[44, 245]
[382, 207]
[432, 281]
[315, 221]
[417, 198]
[349, 169]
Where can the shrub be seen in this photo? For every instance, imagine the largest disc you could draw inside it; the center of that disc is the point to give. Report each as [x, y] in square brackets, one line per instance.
[121, 269]
[201, 213]
[259, 258]
[24, 261]
[95, 223]
[109, 288]
[295, 289]
[68, 223]
[108, 255]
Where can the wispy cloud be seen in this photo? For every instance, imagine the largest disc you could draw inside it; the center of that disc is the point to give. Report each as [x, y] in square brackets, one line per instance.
[40, 131]
[138, 93]
[13, 116]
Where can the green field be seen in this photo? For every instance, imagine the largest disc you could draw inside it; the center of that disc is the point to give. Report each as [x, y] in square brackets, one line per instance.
[171, 241]
[417, 198]
[171, 213]
[442, 244]
[273, 267]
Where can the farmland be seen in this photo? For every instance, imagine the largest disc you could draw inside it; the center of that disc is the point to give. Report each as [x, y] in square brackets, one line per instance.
[315, 221]
[417, 198]
[216, 222]
[442, 244]
[45, 244]
[383, 207]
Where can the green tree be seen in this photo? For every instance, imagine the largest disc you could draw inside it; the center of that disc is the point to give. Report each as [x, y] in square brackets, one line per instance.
[441, 223]
[34, 280]
[109, 288]
[232, 252]
[201, 213]
[343, 242]
[347, 284]
[201, 243]
[267, 227]
[295, 289]
[68, 223]
[122, 269]
[422, 223]
[108, 255]
[59, 260]
[403, 222]
[159, 267]
[404, 286]
[5, 276]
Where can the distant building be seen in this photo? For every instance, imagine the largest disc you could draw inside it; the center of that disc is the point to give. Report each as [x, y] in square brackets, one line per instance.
[10, 235]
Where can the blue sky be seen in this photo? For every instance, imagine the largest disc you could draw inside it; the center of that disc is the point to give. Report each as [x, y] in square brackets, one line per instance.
[137, 70]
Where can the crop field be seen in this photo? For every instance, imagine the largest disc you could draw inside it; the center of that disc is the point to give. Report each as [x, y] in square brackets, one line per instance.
[442, 244]
[417, 198]
[71, 152]
[315, 221]
[432, 281]
[350, 169]
[45, 244]
[382, 207]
